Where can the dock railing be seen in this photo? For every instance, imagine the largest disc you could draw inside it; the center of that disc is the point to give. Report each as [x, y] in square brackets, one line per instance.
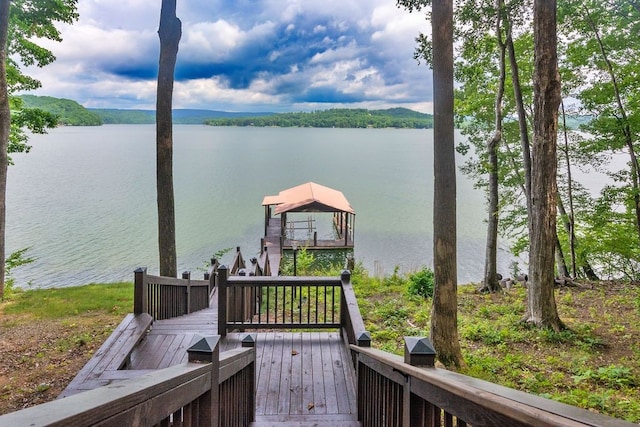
[410, 392]
[213, 388]
[168, 297]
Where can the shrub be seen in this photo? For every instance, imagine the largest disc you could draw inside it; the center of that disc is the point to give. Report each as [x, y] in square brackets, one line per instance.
[421, 283]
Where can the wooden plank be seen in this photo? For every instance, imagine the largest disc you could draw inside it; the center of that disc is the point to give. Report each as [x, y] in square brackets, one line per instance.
[132, 325]
[153, 355]
[296, 387]
[273, 383]
[339, 378]
[319, 404]
[331, 398]
[307, 374]
[263, 374]
[284, 402]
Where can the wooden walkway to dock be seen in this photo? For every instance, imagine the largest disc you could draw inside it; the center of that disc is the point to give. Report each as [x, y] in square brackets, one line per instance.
[306, 378]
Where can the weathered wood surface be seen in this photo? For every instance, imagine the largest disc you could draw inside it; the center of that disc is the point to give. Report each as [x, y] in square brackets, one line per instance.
[167, 342]
[113, 355]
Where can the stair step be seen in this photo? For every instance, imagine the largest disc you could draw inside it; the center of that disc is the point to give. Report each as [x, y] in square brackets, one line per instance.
[317, 420]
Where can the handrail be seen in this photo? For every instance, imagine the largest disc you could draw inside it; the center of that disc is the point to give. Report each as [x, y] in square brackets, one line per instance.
[353, 329]
[434, 397]
[169, 297]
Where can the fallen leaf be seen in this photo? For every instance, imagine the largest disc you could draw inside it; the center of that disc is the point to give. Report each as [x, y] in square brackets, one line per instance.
[310, 406]
[294, 352]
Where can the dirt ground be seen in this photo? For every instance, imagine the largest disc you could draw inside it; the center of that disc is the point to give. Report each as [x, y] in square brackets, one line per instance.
[38, 358]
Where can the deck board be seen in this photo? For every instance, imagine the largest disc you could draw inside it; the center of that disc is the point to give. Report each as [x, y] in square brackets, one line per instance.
[302, 377]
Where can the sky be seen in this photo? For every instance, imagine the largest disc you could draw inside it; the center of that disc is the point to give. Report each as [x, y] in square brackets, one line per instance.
[243, 55]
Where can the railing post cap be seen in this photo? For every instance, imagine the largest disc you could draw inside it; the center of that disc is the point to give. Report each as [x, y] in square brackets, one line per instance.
[140, 270]
[364, 339]
[186, 274]
[202, 348]
[345, 275]
[242, 272]
[419, 351]
[249, 340]
[223, 267]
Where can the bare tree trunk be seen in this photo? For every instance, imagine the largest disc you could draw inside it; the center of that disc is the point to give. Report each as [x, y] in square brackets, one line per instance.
[444, 315]
[169, 32]
[541, 304]
[491, 283]
[563, 271]
[5, 128]
[571, 218]
[522, 118]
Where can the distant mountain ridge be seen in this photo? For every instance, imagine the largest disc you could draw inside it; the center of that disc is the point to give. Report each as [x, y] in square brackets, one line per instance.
[71, 113]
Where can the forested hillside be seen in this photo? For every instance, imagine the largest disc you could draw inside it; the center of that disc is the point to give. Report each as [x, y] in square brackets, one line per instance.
[69, 112]
[180, 116]
[338, 118]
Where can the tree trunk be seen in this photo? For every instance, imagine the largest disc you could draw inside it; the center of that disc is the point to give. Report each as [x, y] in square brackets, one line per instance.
[541, 304]
[491, 283]
[522, 119]
[584, 265]
[444, 315]
[561, 265]
[571, 218]
[5, 128]
[169, 32]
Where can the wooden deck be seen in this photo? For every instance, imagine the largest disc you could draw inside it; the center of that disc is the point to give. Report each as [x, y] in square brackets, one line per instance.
[304, 378]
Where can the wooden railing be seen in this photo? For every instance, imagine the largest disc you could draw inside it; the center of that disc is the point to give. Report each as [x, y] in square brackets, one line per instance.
[212, 389]
[167, 297]
[394, 392]
[288, 303]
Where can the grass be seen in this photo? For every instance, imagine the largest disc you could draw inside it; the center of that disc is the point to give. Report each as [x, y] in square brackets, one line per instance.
[593, 364]
[47, 335]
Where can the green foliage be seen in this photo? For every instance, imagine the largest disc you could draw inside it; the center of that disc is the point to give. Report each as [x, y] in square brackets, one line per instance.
[337, 118]
[68, 112]
[609, 376]
[13, 261]
[29, 20]
[421, 283]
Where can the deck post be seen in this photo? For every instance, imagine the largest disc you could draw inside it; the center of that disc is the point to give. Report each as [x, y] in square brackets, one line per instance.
[222, 300]
[187, 276]
[207, 349]
[418, 351]
[140, 291]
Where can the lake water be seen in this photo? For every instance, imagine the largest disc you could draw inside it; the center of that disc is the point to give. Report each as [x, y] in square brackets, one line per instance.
[84, 199]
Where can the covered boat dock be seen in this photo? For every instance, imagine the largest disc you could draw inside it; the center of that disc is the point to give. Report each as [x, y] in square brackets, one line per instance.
[292, 232]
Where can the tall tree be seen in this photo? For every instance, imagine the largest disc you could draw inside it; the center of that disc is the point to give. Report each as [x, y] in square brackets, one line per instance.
[438, 51]
[490, 260]
[444, 315]
[170, 32]
[541, 304]
[20, 22]
[5, 125]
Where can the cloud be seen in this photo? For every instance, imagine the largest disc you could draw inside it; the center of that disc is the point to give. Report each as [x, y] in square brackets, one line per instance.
[250, 55]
